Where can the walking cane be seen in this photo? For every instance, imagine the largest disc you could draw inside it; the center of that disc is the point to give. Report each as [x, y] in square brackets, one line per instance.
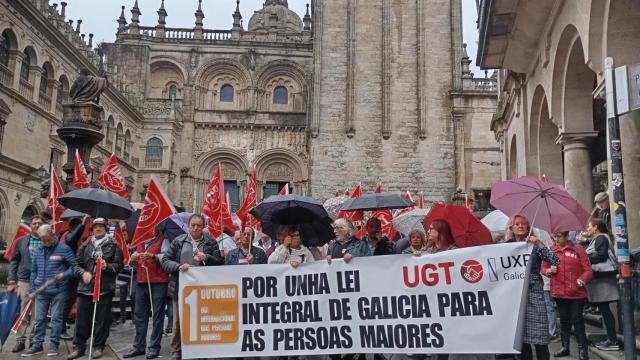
[96, 286]
[93, 325]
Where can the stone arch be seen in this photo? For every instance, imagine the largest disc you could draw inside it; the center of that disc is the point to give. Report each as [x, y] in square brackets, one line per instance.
[119, 139]
[549, 157]
[63, 90]
[33, 54]
[232, 161]
[280, 158]
[4, 214]
[234, 168]
[596, 28]
[513, 158]
[213, 75]
[622, 31]
[285, 73]
[165, 71]
[573, 82]
[48, 75]
[13, 38]
[537, 101]
[127, 144]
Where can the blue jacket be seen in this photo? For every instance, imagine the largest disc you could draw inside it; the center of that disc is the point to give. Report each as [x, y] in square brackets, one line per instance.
[47, 262]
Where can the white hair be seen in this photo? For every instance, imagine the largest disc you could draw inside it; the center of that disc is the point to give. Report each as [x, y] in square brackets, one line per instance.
[45, 229]
[346, 226]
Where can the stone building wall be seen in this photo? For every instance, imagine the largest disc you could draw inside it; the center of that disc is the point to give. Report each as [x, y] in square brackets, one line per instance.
[381, 110]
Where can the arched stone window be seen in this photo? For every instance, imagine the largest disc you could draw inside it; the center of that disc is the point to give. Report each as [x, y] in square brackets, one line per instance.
[24, 68]
[173, 92]
[111, 125]
[44, 80]
[226, 93]
[119, 139]
[280, 95]
[63, 91]
[29, 212]
[126, 145]
[153, 153]
[5, 47]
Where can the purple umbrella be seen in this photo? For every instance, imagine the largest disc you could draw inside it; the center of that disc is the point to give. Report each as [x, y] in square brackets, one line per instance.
[547, 206]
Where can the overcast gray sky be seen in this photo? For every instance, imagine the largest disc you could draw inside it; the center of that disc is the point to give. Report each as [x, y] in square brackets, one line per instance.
[99, 16]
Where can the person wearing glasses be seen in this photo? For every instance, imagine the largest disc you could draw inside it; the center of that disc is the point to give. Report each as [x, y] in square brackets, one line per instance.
[291, 251]
[246, 253]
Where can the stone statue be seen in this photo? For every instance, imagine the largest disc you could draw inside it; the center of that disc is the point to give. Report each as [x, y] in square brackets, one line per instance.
[87, 88]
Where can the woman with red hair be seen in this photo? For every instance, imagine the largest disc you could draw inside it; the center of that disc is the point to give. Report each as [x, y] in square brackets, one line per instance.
[440, 236]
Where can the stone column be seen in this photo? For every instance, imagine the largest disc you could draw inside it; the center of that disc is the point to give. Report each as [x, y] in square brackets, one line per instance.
[35, 74]
[53, 84]
[16, 57]
[577, 166]
[630, 144]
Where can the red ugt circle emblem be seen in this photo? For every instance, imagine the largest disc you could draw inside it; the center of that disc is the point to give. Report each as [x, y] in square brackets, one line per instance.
[471, 271]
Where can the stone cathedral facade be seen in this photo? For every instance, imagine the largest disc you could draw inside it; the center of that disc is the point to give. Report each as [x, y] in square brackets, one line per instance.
[351, 92]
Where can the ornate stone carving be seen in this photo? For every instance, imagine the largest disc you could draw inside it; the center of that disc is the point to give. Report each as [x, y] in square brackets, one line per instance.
[278, 172]
[157, 107]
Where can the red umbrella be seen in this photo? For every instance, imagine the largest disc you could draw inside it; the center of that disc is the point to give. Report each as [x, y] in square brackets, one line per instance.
[466, 229]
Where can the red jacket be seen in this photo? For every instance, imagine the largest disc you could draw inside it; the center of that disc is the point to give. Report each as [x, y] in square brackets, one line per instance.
[574, 265]
[156, 274]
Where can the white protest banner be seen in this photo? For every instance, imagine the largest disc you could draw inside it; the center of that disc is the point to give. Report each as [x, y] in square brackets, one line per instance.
[459, 301]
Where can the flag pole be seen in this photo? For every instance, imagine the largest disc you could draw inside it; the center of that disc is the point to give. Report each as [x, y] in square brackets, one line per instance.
[93, 325]
[149, 286]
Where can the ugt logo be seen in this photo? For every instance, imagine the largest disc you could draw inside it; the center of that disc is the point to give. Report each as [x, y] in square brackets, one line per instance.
[471, 271]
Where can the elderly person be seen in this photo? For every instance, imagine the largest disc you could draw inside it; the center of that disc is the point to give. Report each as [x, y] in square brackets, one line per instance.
[291, 251]
[99, 245]
[536, 326]
[150, 289]
[53, 261]
[246, 253]
[378, 243]
[267, 244]
[417, 242]
[568, 282]
[20, 275]
[601, 209]
[346, 246]
[603, 289]
[188, 250]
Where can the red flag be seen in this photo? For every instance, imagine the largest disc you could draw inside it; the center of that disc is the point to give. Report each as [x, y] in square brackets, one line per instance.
[212, 206]
[467, 202]
[385, 217]
[251, 200]
[353, 215]
[407, 195]
[118, 235]
[227, 220]
[285, 190]
[23, 315]
[420, 203]
[346, 193]
[96, 284]
[362, 232]
[80, 177]
[111, 177]
[157, 207]
[22, 230]
[336, 194]
[544, 179]
[55, 191]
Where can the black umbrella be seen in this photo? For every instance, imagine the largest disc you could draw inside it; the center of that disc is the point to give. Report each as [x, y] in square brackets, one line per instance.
[68, 214]
[377, 201]
[308, 213]
[97, 203]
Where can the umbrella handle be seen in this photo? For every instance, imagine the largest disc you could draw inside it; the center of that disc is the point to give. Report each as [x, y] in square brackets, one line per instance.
[534, 220]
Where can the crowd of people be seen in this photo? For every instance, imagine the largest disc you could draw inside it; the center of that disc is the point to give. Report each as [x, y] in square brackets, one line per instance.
[566, 275]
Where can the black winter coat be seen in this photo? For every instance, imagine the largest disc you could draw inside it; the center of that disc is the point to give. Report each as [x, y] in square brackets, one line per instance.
[85, 261]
